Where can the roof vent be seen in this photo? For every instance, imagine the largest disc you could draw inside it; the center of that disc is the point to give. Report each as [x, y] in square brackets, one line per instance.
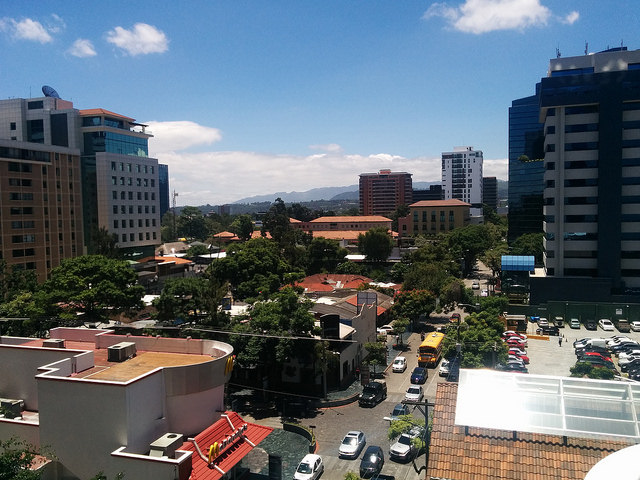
[120, 352]
[166, 445]
[53, 343]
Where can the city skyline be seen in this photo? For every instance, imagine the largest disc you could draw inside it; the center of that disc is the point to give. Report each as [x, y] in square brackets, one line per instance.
[245, 99]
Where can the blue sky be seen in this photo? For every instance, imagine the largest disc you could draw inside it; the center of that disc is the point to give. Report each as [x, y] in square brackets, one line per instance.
[246, 98]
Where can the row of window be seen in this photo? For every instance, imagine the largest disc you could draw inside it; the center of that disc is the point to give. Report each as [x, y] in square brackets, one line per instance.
[123, 237]
[123, 223]
[140, 182]
[573, 236]
[123, 195]
[128, 167]
[123, 209]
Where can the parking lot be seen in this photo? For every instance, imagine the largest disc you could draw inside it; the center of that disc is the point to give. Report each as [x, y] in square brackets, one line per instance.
[549, 358]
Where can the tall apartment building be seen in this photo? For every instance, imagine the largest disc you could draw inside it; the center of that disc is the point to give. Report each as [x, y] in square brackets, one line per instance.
[434, 192]
[590, 106]
[490, 192]
[381, 193]
[120, 181]
[462, 177]
[526, 166]
[163, 188]
[40, 184]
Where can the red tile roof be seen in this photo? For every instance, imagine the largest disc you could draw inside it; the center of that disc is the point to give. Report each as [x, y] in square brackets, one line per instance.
[102, 111]
[440, 203]
[258, 234]
[328, 282]
[228, 456]
[469, 453]
[363, 218]
[160, 259]
[354, 301]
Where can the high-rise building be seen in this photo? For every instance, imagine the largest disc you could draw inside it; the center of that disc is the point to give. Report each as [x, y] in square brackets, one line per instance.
[40, 184]
[381, 193]
[434, 192]
[120, 182]
[490, 192]
[462, 177]
[526, 166]
[590, 106]
[163, 188]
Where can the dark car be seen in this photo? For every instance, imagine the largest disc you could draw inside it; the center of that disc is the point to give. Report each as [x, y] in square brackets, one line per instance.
[419, 375]
[624, 346]
[548, 330]
[599, 361]
[632, 366]
[591, 325]
[373, 393]
[594, 349]
[399, 410]
[372, 461]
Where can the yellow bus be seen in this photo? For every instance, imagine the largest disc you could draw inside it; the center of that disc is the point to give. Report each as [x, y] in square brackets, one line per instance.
[430, 350]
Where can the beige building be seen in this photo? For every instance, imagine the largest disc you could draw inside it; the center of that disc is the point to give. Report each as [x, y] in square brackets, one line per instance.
[112, 403]
[430, 217]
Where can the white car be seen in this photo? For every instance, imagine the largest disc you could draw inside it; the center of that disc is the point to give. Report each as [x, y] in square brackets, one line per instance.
[635, 325]
[384, 330]
[399, 364]
[628, 359]
[444, 368]
[518, 338]
[352, 444]
[616, 340]
[309, 468]
[484, 292]
[414, 392]
[403, 449]
[475, 286]
[606, 325]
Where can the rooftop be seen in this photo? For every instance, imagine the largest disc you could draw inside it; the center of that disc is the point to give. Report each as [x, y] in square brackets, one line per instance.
[363, 218]
[103, 112]
[454, 202]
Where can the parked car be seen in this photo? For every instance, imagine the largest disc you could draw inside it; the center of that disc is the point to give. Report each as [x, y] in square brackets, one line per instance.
[352, 444]
[591, 325]
[558, 322]
[627, 354]
[606, 325]
[632, 366]
[444, 368]
[515, 342]
[475, 286]
[399, 410]
[414, 392]
[373, 393]
[627, 360]
[511, 368]
[534, 319]
[513, 333]
[521, 356]
[399, 364]
[403, 449]
[617, 339]
[484, 292]
[599, 361]
[605, 357]
[384, 330]
[517, 350]
[623, 325]
[548, 330]
[309, 468]
[574, 323]
[455, 318]
[592, 348]
[516, 359]
[635, 325]
[419, 375]
[518, 339]
[372, 461]
[624, 347]
[542, 322]
[582, 342]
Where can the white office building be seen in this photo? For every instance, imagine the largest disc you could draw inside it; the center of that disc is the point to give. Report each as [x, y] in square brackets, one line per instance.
[462, 177]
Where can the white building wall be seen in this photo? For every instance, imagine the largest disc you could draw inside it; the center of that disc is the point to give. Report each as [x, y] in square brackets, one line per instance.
[462, 177]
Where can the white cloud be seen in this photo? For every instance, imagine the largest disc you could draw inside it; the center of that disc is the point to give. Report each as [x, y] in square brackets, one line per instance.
[329, 147]
[142, 39]
[217, 177]
[82, 48]
[26, 29]
[571, 18]
[482, 16]
[180, 135]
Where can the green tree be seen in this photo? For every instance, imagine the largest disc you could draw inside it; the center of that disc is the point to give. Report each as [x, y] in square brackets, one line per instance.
[351, 476]
[16, 458]
[15, 281]
[413, 304]
[399, 327]
[191, 224]
[324, 255]
[196, 250]
[529, 244]
[95, 285]
[182, 298]
[376, 244]
[493, 258]
[105, 243]
[400, 212]
[351, 268]
[469, 243]
[276, 221]
[300, 212]
[586, 369]
[480, 336]
[377, 354]
[254, 269]
[242, 226]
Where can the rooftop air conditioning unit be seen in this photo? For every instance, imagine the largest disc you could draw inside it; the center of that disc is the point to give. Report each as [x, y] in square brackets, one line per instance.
[166, 445]
[53, 343]
[120, 352]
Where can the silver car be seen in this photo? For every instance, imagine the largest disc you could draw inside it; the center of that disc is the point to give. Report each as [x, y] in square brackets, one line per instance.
[352, 444]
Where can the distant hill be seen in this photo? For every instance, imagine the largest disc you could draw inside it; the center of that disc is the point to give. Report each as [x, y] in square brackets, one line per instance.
[323, 193]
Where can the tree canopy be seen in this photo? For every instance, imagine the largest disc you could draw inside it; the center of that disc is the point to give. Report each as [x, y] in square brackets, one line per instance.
[376, 244]
[95, 285]
[324, 255]
[16, 458]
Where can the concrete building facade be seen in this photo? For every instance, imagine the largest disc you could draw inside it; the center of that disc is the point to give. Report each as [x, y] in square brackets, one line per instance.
[590, 106]
[381, 193]
[430, 217]
[462, 177]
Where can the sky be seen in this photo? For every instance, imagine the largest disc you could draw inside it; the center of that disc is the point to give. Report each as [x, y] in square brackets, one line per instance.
[254, 97]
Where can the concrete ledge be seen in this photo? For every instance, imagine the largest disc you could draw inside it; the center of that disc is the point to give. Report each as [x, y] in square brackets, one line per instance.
[339, 402]
[305, 432]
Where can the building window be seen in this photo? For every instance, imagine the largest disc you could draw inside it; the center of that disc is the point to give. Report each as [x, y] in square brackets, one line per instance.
[115, 224]
[124, 237]
[13, 125]
[115, 209]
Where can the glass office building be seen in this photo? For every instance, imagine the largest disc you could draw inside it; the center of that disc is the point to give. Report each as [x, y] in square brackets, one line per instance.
[526, 167]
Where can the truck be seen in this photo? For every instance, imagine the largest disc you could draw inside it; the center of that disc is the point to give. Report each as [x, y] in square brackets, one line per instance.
[373, 393]
[623, 325]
